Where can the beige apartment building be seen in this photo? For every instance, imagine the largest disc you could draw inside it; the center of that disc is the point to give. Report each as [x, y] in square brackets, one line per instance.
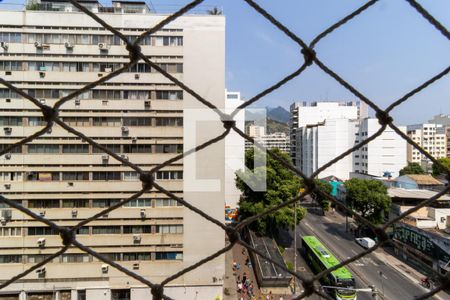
[430, 136]
[51, 49]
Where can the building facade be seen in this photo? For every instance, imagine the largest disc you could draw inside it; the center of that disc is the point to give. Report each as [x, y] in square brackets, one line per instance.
[383, 157]
[431, 137]
[51, 50]
[278, 140]
[443, 120]
[308, 114]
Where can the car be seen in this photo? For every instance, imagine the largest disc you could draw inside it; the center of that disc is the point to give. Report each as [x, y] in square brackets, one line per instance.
[365, 242]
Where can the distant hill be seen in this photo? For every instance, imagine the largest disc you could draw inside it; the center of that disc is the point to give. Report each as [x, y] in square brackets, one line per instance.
[278, 114]
[275, 126]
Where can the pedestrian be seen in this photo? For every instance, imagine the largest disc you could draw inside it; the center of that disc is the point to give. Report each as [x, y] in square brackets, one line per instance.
[244, 277]
[238, 266]
[239, 278]
[234, 265]
[247, 261]
[243, 251]
[239, 286]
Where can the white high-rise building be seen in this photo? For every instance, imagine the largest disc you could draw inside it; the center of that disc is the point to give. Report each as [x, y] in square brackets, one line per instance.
[443, 120]
[383, 157]
[320, 143]
[50, 50]
[308, 114]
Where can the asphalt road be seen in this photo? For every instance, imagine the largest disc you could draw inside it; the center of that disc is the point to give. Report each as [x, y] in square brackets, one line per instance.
[331, 231]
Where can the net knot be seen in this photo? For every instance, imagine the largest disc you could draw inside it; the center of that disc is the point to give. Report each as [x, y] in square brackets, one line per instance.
[157, 291]
[309, 55]
[381, 234]
[134, 50]
[233, 234]
[383, 118]
[147, 180]
[308, 286]
[67, 236]
[227, 121]
[49, 113]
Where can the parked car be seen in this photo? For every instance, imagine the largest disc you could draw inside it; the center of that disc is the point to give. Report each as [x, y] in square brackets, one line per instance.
[365, 242]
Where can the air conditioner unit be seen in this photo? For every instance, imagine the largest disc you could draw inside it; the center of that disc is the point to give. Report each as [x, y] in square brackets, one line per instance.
[147, 104]
[7, 130]
[143, 214]
[136, 266]
[105, 268]
[70, 183]
[77, 101]
[41, 242]
[136, 238]
[105, 156]
[42, 101]
[41, 74]
[41, 272]
[49, 130]
[7, 186]
[74, 213]
[4, 45]
[125, 129]
[68, 45]
[124, 156]
[7, 214]
[103, 46]
[136, 76]
[105, 215]
[8, 156]
[134, 139]
[42, 213]
[108, 70]
[3, 221]
[38, 44]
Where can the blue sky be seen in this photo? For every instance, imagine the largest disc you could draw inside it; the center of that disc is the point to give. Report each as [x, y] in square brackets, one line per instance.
[385, 52]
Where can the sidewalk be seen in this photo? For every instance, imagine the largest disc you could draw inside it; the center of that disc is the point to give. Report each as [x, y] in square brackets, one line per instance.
[406, 270]
[230, 283]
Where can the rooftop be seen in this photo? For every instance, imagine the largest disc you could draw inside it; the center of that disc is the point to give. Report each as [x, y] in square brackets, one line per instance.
[414, 194]
[424, 179]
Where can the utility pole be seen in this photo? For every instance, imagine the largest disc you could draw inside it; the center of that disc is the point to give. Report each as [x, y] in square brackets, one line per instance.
[295, 244]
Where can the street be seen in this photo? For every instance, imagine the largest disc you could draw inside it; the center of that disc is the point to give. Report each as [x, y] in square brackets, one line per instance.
[368, 270]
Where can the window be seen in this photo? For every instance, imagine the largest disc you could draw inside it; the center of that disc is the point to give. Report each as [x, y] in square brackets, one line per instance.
[140, 202]
[104, 202]
[10, 231]
[37, 258]
[74, 258]
[112, 256]
[169, 148]
[42, 176]
[17, 149]
[169, 255]
[76, 121]
[166, 202]
[42, 231]
[9, 259]
[75, 148]
[166, 175]
[111, 147]
[41, 148]
[105, 175]
[44, 203]
[173, 121]
[82, 230]
[137, 229]
[169, 95]
[10, 176]
[106, 230]
[130, 176]
[75, 203]
[136, 121]
[36, 121]
[10, 121]
[136, 256]
[106, 121]
[134, 148]
[69, 176]
[170, 229]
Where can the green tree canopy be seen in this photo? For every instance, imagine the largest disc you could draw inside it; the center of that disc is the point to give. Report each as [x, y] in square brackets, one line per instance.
[412, 168]
[438, 170]
[323, 201]
[282, 185]
[368, 197]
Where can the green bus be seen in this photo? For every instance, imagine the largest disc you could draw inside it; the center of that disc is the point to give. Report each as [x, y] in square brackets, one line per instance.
[320, 259]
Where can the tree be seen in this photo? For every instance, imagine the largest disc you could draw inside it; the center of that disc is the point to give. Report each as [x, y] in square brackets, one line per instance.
[412, 168]
[369, 198]
[214, 11]
[282, 185]
[323, 201]
[438, 170]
